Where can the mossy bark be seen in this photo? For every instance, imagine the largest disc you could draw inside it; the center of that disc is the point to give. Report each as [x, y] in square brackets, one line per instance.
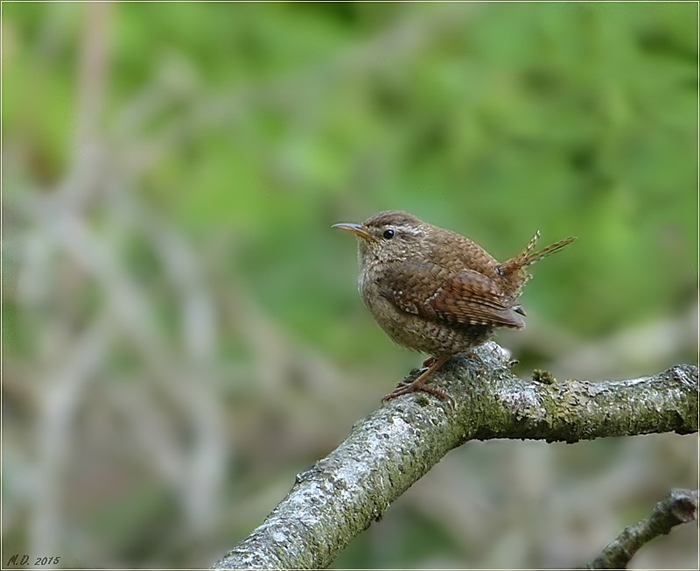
[389, 450]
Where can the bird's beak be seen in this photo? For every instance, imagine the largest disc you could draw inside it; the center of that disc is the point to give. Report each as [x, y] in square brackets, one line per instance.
[356, 229]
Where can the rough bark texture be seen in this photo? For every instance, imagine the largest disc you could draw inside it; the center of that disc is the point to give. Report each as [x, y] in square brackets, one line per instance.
[681, 506]
[389, 450]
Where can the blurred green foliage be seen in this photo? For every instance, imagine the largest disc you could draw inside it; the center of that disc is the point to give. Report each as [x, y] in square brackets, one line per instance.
[253, 127]
[492, 120]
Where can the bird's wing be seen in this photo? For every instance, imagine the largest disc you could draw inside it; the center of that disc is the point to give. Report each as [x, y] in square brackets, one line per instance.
[464, 298]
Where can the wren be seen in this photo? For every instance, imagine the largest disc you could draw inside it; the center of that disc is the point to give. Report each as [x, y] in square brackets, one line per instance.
[435, 291]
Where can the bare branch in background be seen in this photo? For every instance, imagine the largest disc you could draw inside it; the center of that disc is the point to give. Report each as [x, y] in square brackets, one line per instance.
[681, 506]
[644, 345]
[61, 244]
[392, 448]
[655, 342]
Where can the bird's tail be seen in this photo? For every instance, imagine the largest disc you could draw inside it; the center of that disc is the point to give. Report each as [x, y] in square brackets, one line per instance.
[528, 257]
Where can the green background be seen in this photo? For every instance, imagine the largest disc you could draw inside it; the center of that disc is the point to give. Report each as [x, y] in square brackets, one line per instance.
[170, 176]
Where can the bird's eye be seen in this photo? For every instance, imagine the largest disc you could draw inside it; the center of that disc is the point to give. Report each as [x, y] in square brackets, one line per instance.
[388, 234]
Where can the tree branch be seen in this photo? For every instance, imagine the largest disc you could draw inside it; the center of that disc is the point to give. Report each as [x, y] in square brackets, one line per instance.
[394, 446]
[681, 506]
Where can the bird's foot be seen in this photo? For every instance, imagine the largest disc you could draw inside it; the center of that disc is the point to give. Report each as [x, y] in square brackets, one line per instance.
[419, 383]
[413, 387]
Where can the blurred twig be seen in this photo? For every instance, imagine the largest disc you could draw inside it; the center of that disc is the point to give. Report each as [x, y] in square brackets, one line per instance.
[393, 447]
[681, 506]
[63, 389]
[59, 400]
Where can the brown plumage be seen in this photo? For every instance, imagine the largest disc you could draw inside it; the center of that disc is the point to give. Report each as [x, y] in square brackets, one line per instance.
[435, 291]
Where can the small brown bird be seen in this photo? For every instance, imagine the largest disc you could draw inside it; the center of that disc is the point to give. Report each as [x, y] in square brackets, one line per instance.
[435, 291]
